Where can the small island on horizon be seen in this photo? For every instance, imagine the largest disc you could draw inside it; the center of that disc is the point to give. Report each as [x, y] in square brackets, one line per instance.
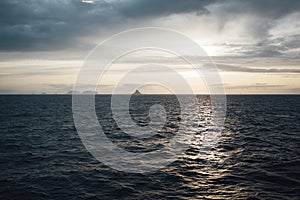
[137, 93]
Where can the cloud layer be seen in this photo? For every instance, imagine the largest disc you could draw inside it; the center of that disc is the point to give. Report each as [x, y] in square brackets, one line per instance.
[62, 24]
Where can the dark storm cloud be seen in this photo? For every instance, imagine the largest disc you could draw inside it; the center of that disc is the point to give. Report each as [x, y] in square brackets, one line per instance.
[275, 8]
[268, 8]
[47, 24]
[143, 8]
[57, 24]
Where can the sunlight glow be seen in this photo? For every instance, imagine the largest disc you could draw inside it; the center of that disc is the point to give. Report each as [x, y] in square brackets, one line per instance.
[88, 1]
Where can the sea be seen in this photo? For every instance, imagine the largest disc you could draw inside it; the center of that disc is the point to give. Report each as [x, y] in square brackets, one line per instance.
[256, 155]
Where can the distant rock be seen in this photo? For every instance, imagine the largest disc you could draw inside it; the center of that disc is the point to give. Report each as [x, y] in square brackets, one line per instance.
[89, 92]
[137, 93]
[73, 92]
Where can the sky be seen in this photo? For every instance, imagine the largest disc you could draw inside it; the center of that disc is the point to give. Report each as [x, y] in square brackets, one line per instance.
[255, 44]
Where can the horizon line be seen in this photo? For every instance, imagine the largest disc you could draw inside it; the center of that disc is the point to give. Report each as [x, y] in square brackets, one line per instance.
[66, 94]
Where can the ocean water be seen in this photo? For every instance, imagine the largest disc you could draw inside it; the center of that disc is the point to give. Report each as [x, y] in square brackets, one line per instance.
[257, 156]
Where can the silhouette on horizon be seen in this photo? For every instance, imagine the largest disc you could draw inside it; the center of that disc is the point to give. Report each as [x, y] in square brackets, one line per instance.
[137, 92]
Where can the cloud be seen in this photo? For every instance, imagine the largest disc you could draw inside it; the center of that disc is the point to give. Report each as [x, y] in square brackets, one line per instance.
[279, 46]
[234, 68]
[254, 86]
[48, 24]
[249, 27]
[147, 8]
[295, 90]
[7, 91]
[57, 24]
[261, 13]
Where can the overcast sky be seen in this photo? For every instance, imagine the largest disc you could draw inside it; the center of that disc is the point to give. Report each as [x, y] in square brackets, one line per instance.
[255, 44]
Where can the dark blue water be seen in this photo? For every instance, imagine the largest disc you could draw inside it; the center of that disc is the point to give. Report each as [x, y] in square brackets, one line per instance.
[256, 157]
